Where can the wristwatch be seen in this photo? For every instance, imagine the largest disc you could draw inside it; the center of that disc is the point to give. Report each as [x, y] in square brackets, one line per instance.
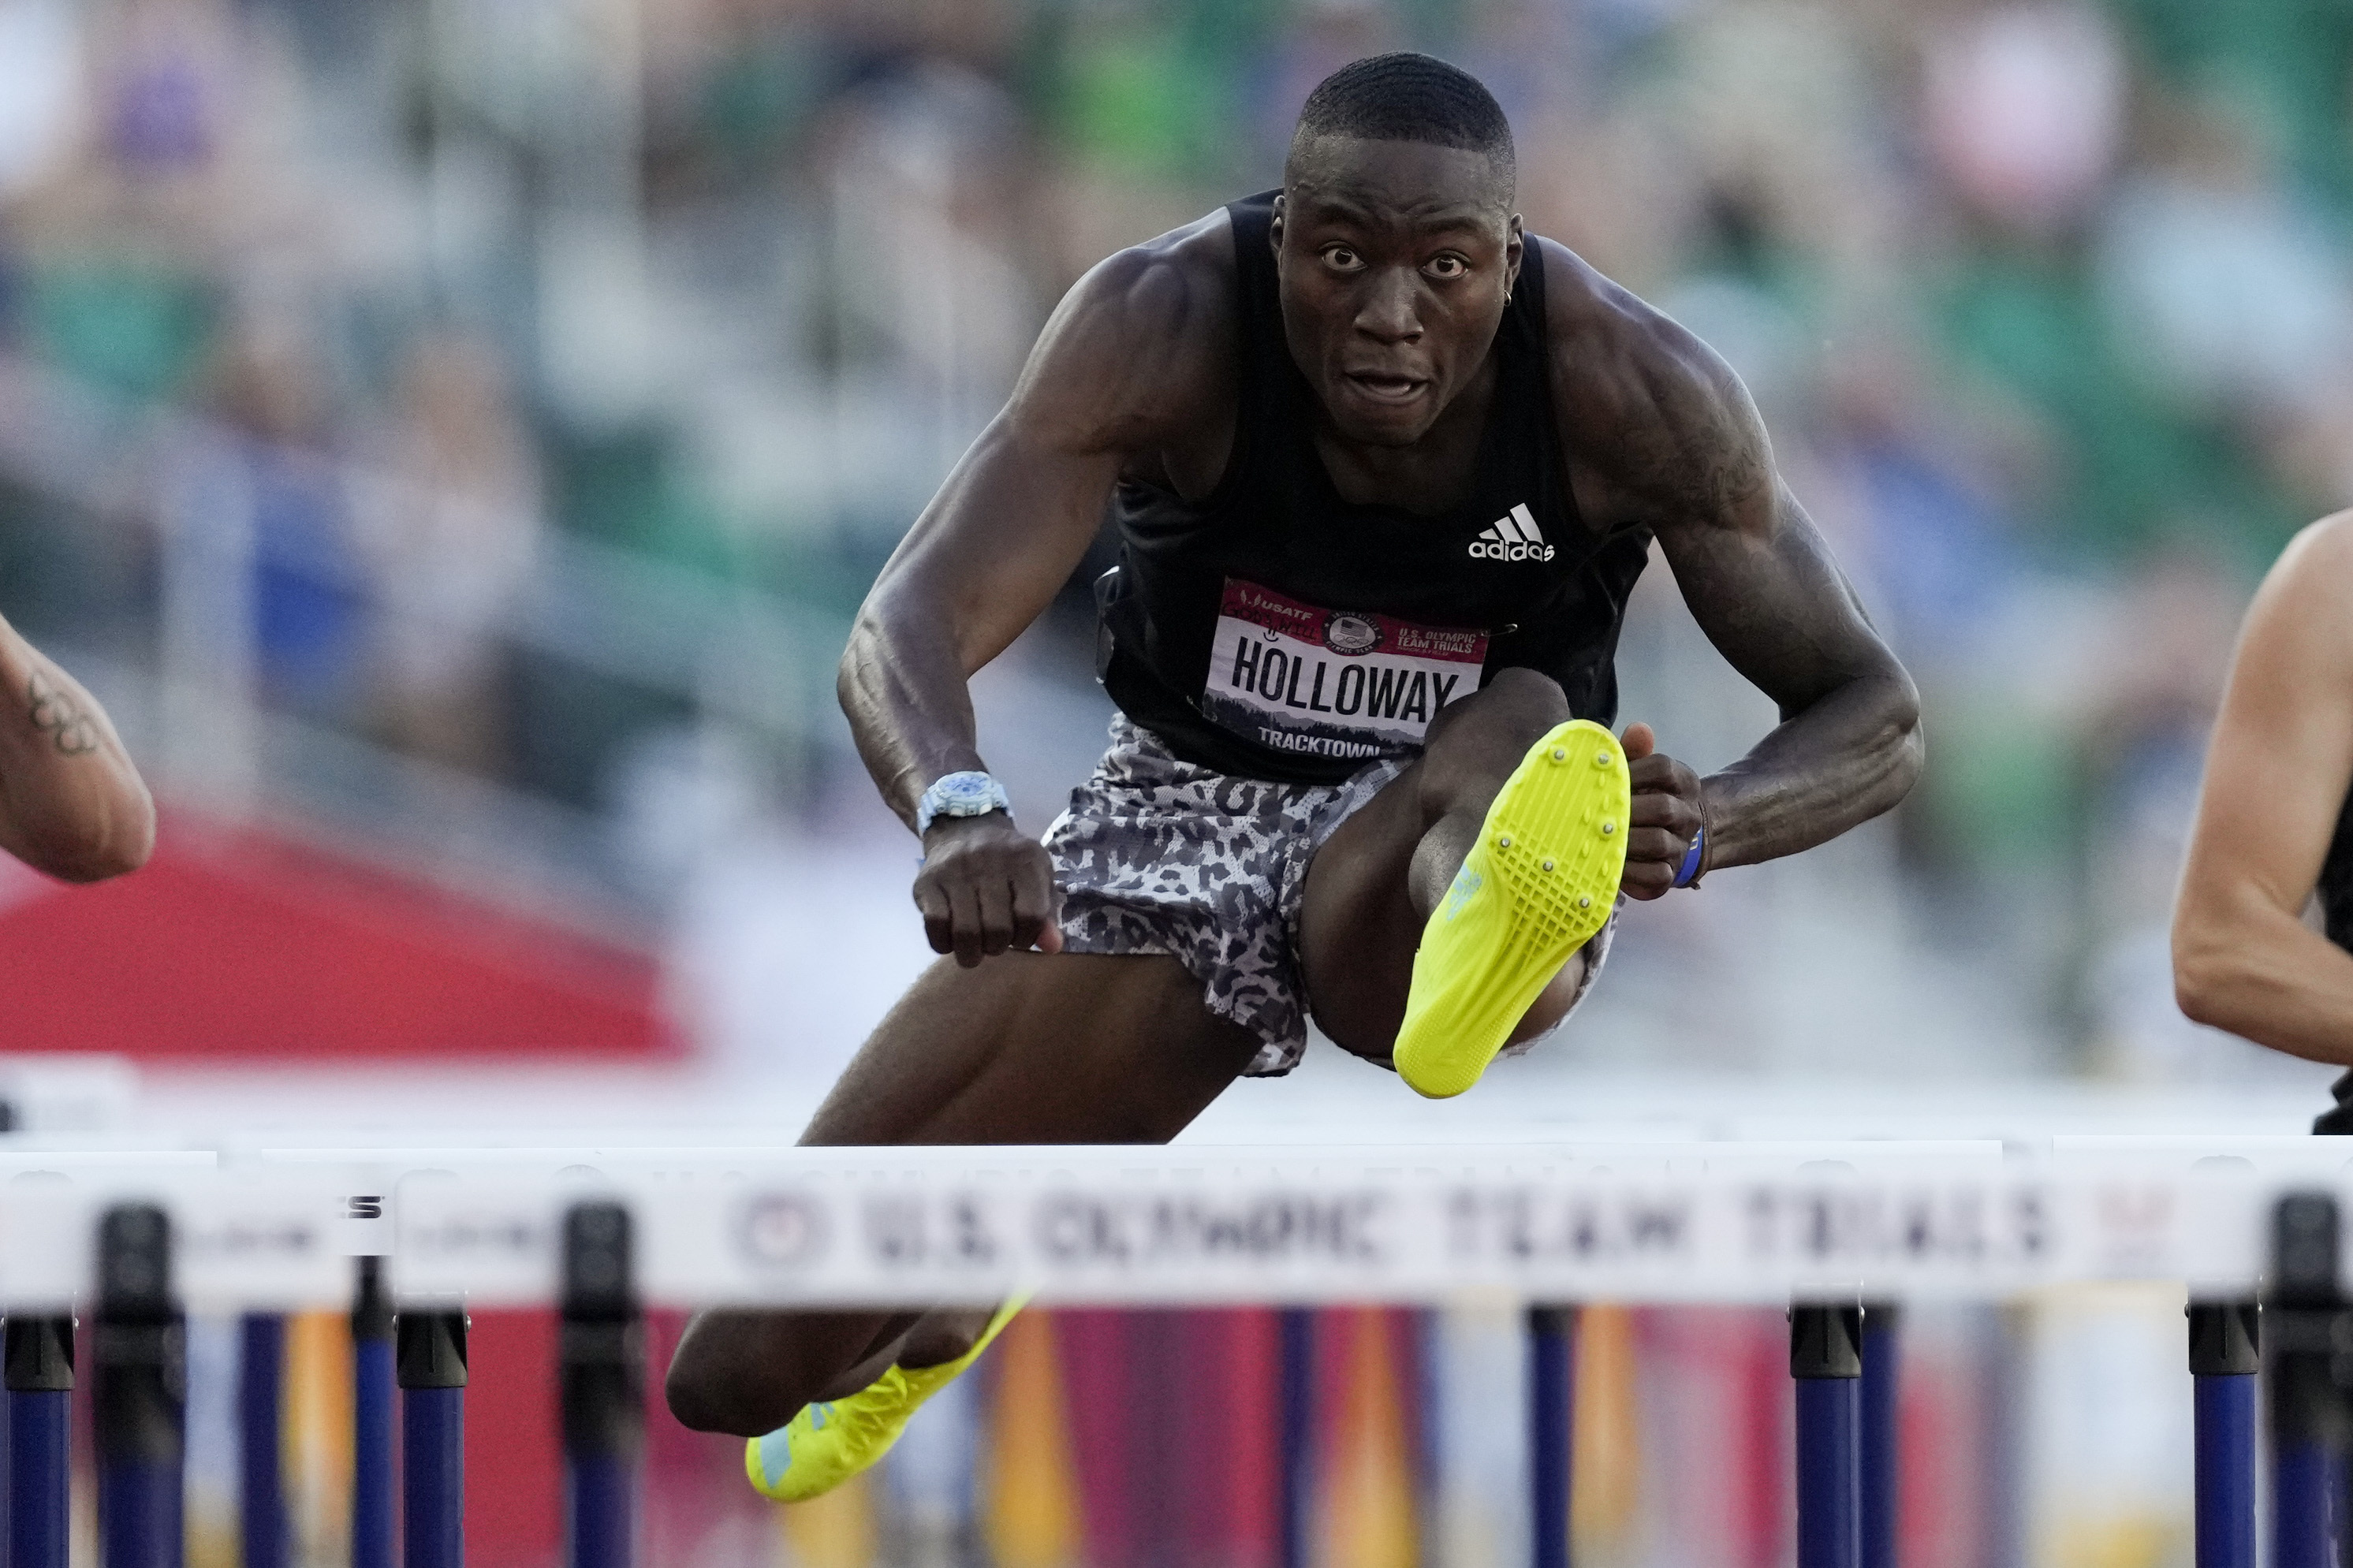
[961, 794]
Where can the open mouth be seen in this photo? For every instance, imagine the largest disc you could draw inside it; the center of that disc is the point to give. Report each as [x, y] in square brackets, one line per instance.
[1382, 386]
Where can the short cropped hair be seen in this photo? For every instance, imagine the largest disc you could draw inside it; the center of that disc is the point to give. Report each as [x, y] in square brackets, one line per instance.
[1410, 96]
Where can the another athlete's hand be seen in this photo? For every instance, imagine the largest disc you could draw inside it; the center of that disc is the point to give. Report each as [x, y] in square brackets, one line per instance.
[986, 887]
[1666, 815]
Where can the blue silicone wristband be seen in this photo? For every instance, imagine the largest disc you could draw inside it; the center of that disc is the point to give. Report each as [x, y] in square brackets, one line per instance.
[1688, 872]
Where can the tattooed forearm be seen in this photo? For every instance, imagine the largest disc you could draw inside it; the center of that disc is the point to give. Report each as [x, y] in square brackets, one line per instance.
[55, 712]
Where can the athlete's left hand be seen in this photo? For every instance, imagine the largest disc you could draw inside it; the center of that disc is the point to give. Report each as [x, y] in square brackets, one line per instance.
[1666, 815]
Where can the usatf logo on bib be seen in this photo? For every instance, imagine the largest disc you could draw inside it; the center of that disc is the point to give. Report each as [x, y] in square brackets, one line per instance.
[1511, 537]
[1331, 683]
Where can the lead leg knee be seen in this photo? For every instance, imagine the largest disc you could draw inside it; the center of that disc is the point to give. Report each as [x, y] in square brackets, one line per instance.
[944, 1335]
[749, 1371]
[1520, 688]
[704, 1397]
[1476, 743]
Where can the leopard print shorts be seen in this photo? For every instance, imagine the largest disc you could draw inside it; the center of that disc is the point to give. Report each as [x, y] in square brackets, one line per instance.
[1158, 855]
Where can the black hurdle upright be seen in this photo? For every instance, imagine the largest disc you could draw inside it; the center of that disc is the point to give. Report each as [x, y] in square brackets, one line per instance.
[39, 1361]
[430, 1361]
[2225, 1357]
[1880, 1480]
[1552, 1392]
[139, 1359]
[2308, 1417]
[261, 1470]
[372, 1415]
[602, 1368]
[1826, 1359]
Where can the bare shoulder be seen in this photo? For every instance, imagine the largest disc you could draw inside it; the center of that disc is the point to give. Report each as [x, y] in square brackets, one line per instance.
[2298, 626]
[2319, 560]
[1669, 431]
[1140, 349]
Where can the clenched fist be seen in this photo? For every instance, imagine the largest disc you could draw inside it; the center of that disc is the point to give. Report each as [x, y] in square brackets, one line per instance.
[1666, 815]
[986, 887]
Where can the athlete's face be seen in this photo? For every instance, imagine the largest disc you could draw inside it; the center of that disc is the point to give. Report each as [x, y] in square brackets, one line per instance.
[1396, 258]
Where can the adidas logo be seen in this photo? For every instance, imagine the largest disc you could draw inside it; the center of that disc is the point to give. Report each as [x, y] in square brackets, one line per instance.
[1511, 537]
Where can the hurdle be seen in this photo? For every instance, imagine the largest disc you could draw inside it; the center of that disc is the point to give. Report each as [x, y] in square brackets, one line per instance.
[372, 1362]
[1876, 1480]
[1840, 1236]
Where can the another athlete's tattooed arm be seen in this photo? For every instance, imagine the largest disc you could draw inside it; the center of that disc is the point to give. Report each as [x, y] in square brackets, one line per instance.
[71, 804]
[56, 712]
[1677, 445]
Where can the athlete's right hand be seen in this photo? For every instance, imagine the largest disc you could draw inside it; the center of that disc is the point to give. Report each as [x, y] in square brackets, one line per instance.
[986, 887]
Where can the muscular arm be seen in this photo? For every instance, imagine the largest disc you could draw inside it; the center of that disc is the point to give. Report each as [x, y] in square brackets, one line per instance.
[1117, 374]
[71, 804]
[1762, 585]
[1001, 537]
[1678, 446]
[2277, 775]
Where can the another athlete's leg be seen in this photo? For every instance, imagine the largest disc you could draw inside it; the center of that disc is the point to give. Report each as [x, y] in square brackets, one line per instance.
[1027, 1048]
[1372, 885]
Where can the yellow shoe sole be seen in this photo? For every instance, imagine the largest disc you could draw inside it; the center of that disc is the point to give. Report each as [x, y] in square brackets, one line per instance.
[1540, 879]
[829, 1442]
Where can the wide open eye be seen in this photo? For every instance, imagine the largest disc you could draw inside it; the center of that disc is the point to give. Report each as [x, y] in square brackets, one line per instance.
[1342, 257]
[1446, 265]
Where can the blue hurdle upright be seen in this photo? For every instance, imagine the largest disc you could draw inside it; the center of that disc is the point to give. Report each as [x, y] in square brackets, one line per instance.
[2225, 1357]
[602, 1372]
[430, 1356]
[1552, 1398]
[1296, 1419]
[1826, 1359]
[260, 1396]
[1879, 1479]
[139, 1359]
[2307, 1412]
[39, 1361]
[371, 1416]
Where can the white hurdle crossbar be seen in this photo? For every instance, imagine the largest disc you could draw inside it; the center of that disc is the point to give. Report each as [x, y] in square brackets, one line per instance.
[1725, 1223]
[1837, 1231]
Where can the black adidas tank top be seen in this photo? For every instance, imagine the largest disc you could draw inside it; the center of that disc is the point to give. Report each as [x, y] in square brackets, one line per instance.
[1274, 630]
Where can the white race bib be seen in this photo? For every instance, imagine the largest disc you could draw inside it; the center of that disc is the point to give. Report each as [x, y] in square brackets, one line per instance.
[1332, 683]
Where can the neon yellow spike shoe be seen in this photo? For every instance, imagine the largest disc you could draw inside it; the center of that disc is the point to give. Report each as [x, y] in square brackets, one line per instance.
[1541, 878]
[827, 1443]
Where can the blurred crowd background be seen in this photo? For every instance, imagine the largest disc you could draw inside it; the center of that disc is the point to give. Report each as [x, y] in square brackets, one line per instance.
[468, 425]
[452, 435]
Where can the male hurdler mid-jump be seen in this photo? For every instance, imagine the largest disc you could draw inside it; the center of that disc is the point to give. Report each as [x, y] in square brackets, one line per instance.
[1385, 469]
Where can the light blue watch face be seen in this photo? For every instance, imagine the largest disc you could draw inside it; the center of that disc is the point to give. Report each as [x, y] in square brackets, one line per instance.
[966, 794]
